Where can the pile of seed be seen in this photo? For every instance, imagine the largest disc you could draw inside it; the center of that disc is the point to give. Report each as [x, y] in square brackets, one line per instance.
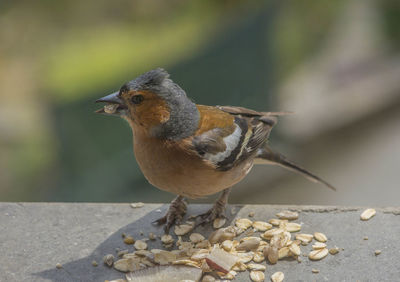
[223, 254]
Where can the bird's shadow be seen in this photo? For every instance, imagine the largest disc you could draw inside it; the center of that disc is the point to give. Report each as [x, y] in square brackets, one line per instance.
[83, 270]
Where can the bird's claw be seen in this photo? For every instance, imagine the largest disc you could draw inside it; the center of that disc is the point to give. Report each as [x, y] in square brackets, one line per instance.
[174, 215]
[217, 211]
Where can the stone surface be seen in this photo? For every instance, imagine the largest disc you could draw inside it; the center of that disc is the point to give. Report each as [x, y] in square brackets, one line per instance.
[35, 237]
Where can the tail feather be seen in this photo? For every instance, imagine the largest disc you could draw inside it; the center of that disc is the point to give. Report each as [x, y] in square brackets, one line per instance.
[267, 156]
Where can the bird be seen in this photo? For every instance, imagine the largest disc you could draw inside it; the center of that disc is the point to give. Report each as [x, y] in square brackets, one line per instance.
[193, 150]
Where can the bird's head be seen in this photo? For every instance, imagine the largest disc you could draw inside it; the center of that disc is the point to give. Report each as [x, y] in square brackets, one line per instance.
[155, 104]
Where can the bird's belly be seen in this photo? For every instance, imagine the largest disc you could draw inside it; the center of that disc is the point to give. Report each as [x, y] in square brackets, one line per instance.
[187, 175]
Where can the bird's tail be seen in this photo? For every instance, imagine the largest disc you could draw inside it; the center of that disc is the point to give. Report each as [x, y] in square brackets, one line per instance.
[266, 155]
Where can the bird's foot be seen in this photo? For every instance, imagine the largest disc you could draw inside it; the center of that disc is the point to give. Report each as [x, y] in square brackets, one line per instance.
[217, 211]
[174, 215]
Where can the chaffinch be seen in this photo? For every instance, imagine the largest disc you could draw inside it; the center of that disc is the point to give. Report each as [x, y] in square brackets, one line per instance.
[193, 150]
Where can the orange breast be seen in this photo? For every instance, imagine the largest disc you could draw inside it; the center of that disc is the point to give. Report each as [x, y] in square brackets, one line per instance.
[176, 170]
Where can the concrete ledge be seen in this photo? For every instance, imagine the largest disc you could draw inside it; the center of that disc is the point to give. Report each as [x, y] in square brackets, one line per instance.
[35, 237]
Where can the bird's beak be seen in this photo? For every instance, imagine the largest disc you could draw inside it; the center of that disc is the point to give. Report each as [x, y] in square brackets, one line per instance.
[114, 106]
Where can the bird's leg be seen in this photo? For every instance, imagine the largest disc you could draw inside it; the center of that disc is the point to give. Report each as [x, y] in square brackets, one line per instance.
[218, 210]
[175, 213]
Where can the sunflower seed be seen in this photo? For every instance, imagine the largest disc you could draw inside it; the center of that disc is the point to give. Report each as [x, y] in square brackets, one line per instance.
[304, 238]
[318, 254]
[275, 221]
[378, 252]
[219, 222]
[261, 226]
[283, 252]
[227, 245]
[295, 249]
[287, 215]
[249, 244]
[127, 264]
[258, 257]
[108, 260]
[243, 223]
[239, 266]
[256, 266]
[318, 245]
[110, 108]
[129, 240]
[183, 229]
[140, 245]
[257, 276]
[152, 236]
[137, 205]
[167, 239]
[205, 244]
[273, 254]
[272, 232]
[367, 214]
[196, 238]
[245, 257]
[320, 237]
[293, 227]
[334, 251]
[222, 234]
[277, 277]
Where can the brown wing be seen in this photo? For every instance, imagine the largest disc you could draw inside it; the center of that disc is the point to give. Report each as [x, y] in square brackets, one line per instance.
[231, 140]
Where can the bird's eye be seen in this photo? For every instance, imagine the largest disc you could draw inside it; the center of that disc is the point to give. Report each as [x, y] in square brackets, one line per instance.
[137, 99]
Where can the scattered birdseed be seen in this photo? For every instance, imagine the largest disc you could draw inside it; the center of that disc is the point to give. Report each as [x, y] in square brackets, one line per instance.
[378, 252]
[94, 263]
[315, 270]
[334, 251]
[140, 245]
[320, 237]
[261, 226]
[123, 234]
[227, 245]
[318, 254]
[252, 214]
[365, 238]
[129, 240]
[295, 249]
[258, 257]
[277, 277]
[137, 205]
[219, 222]
[167, 239]
[152, 236]
[304, 238]
[289, 215]
[367, 214]
[183, 229]
[249, 244]
[108, 260]
[58, 266]
[293, 227]
[122, 253]
[196, 238]
[243, 223]
[257, 276]
[256, 266]
[318, 245]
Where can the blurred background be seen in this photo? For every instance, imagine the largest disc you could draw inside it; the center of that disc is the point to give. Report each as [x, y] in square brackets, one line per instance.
[336, 64]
